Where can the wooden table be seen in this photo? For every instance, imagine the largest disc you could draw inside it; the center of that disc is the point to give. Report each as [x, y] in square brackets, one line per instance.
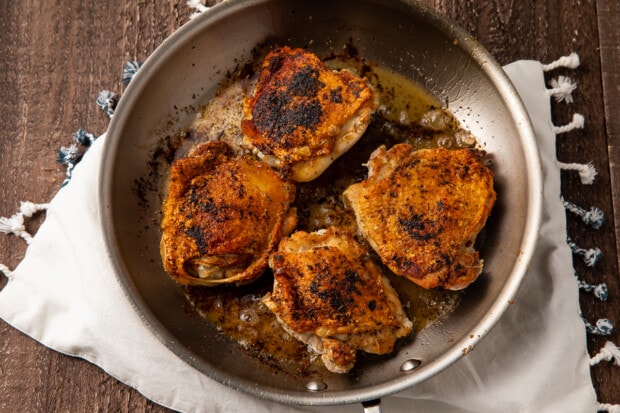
[55, 56]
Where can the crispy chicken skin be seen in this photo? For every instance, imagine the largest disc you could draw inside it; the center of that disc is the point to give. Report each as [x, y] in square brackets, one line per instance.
[329, 294]
[421, 212]
[302, 115]
[222, 217]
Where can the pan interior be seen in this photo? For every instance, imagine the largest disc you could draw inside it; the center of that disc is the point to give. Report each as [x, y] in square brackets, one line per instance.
[405, 37]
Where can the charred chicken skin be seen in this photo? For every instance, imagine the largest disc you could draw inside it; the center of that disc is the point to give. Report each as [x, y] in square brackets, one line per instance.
[303, 115]
[329, 294]
[421, 212]
[222, 217]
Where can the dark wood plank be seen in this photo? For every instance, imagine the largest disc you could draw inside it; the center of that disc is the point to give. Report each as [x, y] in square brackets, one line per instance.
[606, 377]
[609, 35]
[57, 55]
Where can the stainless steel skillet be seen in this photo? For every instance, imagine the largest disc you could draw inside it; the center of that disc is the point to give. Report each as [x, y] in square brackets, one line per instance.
[401, 35]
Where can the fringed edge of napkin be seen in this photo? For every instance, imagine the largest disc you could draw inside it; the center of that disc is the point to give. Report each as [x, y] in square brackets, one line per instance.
[561, 89]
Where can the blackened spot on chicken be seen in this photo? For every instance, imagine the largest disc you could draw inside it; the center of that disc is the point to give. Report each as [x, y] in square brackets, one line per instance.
[355, 89]
[351, 280]
[298, 308]
[225, 213]
[307, 114]
[304, 82]
[420, 228]
[446, 259]
[267, 112]
[314, 286]
[461, 171]
[241, 192]
[372, 304]
[219, 212]
[205, 203]
[337, 301]
[209, 206]
[321, 277]
[403, 262]
[194, 199]
[275, 113]
[335, 95]
[404, 170]
[198, 236]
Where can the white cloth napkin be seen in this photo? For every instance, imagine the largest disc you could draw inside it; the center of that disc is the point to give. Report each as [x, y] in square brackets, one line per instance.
[64, 294]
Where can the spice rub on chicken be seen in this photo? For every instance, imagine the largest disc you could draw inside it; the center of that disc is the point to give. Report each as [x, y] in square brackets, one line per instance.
[222, 217]
[303, 115]
[329, 294]
[421, 212]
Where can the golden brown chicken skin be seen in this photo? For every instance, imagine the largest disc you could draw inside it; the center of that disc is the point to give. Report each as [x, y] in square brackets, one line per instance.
[222, 217]
[331, 295]
[421, 212]
[303, 115]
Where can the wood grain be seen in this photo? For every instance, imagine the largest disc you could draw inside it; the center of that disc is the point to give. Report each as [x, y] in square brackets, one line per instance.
[606, 377]
[57, 55]
[608, 18]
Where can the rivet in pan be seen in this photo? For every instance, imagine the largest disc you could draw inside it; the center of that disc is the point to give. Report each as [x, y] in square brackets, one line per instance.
[410, 365]
[316, 385]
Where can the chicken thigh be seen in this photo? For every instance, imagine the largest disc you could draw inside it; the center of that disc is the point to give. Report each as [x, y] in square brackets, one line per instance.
[222, 217]
[303, 115]
[329, 294]
[421, 212]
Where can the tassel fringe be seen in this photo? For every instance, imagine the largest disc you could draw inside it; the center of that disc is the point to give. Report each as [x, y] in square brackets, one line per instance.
[609, 352]
[107, 101]
[562, 89]
[590, 256]
[577, 123]
[594, 218]
[130, 70]
[15, 224]
[199, 6]
[606, 407]
[6, 271]
[84, 138]
[69, 156]
[587, 172]
[600, 291]
[603, 327]
[571, 62]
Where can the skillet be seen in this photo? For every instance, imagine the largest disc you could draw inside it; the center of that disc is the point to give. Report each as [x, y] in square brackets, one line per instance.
[401, 35]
